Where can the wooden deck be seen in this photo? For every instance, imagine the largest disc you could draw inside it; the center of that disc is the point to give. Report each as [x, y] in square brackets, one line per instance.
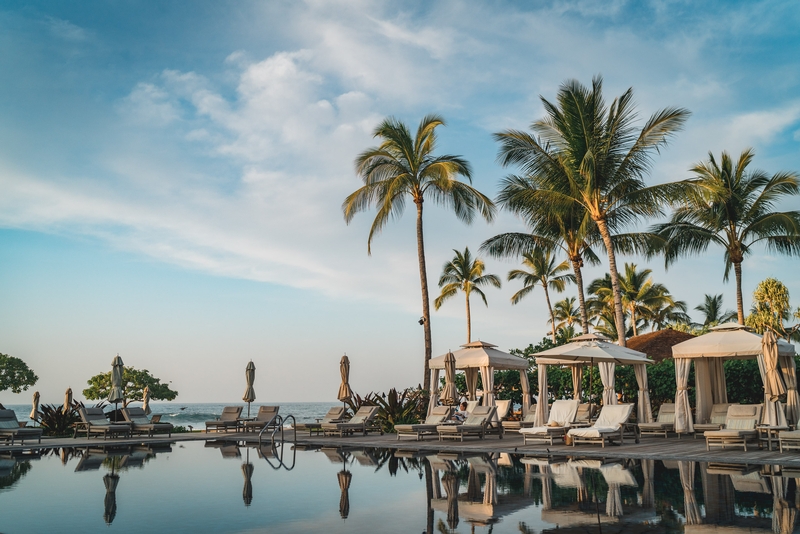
[654, 448]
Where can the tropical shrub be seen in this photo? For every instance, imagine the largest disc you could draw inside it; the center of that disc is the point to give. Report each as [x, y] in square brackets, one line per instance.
[55, 422]
[15, 374]
[409, 406]
[133, 383]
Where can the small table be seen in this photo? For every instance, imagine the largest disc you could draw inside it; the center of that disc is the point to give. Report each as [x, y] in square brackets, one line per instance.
[769, 435]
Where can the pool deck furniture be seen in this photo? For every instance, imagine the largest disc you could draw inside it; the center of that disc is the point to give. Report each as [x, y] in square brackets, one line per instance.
[229, 419]
[526, 422]
[140, 424]
[585, 414]
[495, 423]
[10, 428]
[475, 425]
[439, 414]
[267, 417]
[740, 427]
[664, 423]
[610, 425]
[716, 420]
[361, 422]
[789, 440]
[562, 414]
[334, 415]
[94, 421]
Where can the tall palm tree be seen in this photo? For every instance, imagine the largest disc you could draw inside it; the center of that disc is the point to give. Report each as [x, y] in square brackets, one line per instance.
[640, 295]
[566, 313]
[734, 208]
[711, 308]
[541, 270]
[571, 230]
[403, 167]
[463, 273]
[669, 312]
[587, 153]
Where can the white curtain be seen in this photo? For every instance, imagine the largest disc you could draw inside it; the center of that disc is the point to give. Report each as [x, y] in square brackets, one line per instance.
[607, 378]
[773, 410]
[577, 381]
[614, 501]
[542, 409]
[683, 412]
[719, 386]
[526, 392]
[487, 375]
[547, 487]
[691, 510]
[644, 412]
[789, 369]
[649, 489]
[434, 400]
[703, 396]
[490, 488]
[471, 377]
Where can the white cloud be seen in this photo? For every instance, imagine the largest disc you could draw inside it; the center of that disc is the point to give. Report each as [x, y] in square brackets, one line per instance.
[66, 30]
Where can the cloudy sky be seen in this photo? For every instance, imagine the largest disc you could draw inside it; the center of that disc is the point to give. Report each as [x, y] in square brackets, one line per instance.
[172, 174]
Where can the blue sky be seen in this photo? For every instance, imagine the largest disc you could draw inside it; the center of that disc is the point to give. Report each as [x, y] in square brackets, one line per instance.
[172, 173]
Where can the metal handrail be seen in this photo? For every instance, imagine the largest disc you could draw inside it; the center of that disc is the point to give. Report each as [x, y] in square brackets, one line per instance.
[278, 421]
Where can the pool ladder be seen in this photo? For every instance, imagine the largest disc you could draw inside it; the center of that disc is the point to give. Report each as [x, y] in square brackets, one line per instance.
[278, 423]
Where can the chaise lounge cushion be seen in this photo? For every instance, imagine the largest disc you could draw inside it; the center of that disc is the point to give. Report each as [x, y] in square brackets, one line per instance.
[611, 418]
[562, 414]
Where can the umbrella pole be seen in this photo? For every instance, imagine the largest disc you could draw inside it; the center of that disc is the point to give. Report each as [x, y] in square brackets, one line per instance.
[248, 410]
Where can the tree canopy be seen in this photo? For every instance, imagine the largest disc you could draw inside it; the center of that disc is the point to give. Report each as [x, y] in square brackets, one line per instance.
[15, 374]
[133, 384]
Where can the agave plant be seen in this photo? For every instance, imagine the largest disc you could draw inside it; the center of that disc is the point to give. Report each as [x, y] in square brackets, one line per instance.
[400, 408]
[55, 422]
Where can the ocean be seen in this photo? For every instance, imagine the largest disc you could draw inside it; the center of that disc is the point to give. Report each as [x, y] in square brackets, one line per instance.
[196, 414]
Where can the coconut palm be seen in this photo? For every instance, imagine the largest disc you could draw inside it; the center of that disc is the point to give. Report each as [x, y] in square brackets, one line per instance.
[711, 308]
[572, 231]
[541, 270]
[640, 295]
[566, 313]
[405, 168]
[668, 312]
[734, 208]
[463, 273]
[587, 153]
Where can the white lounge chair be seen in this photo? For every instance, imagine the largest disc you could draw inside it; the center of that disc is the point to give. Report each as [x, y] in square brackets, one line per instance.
[740, 427]
[562, 413]
[609, 426]
[664, 423]
[716, 420]
[439, 415]
[475, 424]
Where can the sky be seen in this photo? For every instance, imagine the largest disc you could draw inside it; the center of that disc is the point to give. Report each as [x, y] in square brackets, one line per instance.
[172, 173]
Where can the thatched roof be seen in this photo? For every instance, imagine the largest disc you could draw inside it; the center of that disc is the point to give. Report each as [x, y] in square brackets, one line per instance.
[658, 345]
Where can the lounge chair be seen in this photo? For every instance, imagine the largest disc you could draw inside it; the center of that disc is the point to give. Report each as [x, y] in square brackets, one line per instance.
[664, 423]
[585, 413]
[10, 428]
[360, 422]
[502, 411]
[789, 440]
[142, 425]
[267, 416]
[475, 424]
[526, 422]
[228, 419]
[610, 425]
[562, 414]
[740, 427]
[334, 415]
[716, 420]
[438, 415]
[471, 405]
[94, 421]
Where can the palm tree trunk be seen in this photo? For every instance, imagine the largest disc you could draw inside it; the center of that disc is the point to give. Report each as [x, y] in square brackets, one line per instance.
[737, 270]
[550, 309]
[469, 319]
[576, 268]
[619, 317]
[426, 305]
[633, 321]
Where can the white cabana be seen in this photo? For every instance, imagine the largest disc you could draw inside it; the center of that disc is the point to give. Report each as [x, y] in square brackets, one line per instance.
[592, 349]
[708, 352]
[484, 358]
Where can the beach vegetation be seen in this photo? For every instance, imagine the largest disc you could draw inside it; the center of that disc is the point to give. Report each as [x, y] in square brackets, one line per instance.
[464, 273]
[565, 314]
[771, 309]
[727, 205]
[712, 311]
[405, 407]
[55, 421]
[589, 154]
[402, 168]
[133, 383]
[15, 375]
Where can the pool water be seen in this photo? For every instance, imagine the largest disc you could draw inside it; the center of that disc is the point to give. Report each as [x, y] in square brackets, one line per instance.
[220, 486]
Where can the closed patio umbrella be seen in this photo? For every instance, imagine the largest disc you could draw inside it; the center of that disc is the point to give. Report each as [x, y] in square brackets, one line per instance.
[116, 394]
[247, 491]
[344, 389]
[146, 400]
[250, 378]
[449, 393]
[35, 410]
[773, 381]
[344, 485]
[110, 502]
[67, 401]
[451, 484]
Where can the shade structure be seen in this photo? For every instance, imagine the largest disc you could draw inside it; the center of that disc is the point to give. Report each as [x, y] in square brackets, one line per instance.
[773, 381]
[250, 378]
[484, 358]
[450, 393]
[729, 341]
[110, 501]
[344, 477]
[116, 394]
[67, 401]
[146, 400]
[247, 491]
[344, 389]
[35, 407]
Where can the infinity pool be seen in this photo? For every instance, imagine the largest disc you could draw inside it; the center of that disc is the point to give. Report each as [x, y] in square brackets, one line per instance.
[222, 487]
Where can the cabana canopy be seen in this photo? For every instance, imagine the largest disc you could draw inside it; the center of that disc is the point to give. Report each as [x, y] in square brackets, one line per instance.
[729, 341]
[479, 356]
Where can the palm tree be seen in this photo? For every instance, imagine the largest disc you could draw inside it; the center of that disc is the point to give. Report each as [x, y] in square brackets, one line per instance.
[541, 270]
[566, 313]
[735, 209]
[668, 312]
[571, 230]
[640, 296]
[587, 153]
[462, 273]
[711, 308]
[402, 167]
